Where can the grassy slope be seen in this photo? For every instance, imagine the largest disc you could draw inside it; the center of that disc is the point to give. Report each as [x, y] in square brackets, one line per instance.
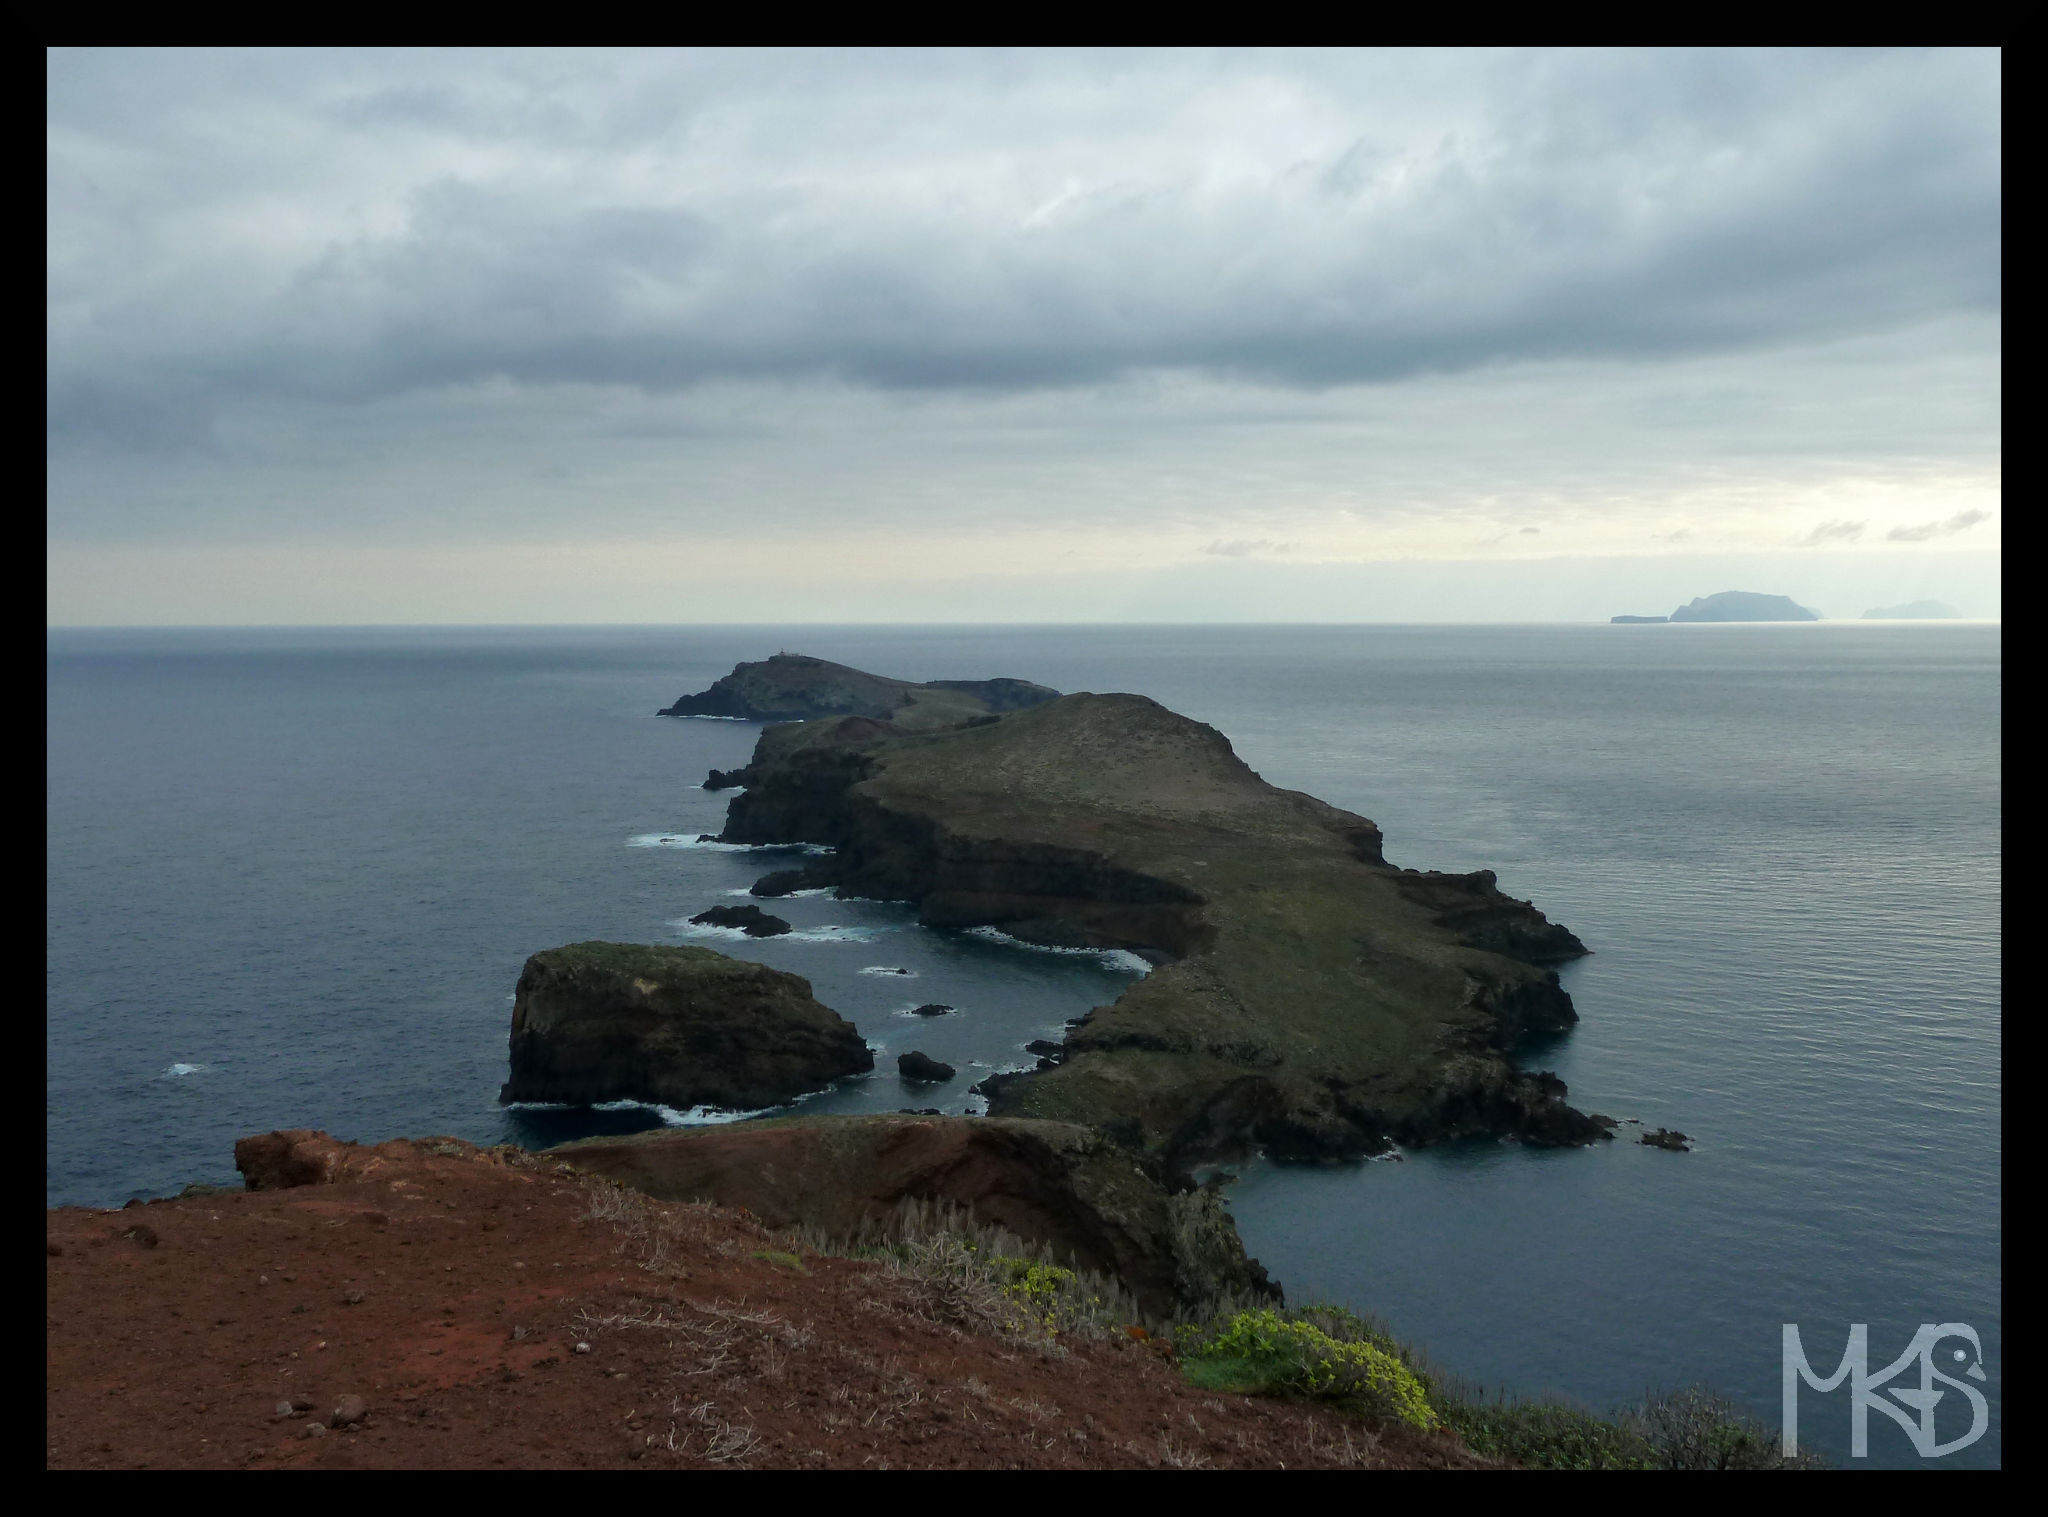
[1320, 965]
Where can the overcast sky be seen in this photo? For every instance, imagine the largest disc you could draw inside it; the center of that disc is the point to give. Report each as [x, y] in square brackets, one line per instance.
[567, 337]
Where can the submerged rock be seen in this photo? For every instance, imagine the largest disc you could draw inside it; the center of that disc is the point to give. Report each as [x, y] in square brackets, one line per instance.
[679, 1026]
[1088, 1202]
[751, 920]
[931, 1009]
[1665, 1137]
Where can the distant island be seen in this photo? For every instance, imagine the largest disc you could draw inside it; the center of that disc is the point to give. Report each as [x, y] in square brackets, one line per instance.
[1734, 606]
[1914, 611]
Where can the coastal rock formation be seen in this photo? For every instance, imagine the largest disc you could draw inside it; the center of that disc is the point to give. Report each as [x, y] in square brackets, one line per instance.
[679, 1026]
[1312, 999]
[923, 1069]
[751, 920]
[783, 882]
[1053, 1184]
[305, 1156]
[1743, 606]
[791, 687]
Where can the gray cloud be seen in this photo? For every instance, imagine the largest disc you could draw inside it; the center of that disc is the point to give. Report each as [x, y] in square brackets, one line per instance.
[1961, 521]
[1247, 547]
[1832, 532]
[340, 228]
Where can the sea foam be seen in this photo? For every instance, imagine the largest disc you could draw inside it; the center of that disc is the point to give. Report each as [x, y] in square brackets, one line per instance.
[694, 840]
[1122, 960]
[696, 1116]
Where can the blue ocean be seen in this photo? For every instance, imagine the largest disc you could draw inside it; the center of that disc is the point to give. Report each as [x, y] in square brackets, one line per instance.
[293, 875]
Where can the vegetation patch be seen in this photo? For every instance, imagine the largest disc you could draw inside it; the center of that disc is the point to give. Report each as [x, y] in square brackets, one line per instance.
[1548, 1436]
[1275, 1352]
[1690, 1429]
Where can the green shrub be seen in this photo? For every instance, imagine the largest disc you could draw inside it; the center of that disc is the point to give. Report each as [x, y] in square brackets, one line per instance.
[983, 1278]
[1694, 1429]
[1279, 1353]
[1053, 1298]
[1548, 1436]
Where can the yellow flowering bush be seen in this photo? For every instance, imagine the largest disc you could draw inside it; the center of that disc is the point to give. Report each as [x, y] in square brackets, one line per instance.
[1283, 1353]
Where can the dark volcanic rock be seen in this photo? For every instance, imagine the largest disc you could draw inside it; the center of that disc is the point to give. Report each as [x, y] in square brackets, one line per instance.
[1743, 606]
[282, 1160]
[1474, 909]
[680, 1026]
[791, 687]
[1049, 1053]
[780, 882]
[751, 920]
[930, 1009]
[1664, 1137]
[1088, 1202]
[725, 779]
[923, 1068]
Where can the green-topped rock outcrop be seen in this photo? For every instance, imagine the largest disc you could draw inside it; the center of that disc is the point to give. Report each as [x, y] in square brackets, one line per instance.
[791, 687]
[678, 1026]
[1310, 999]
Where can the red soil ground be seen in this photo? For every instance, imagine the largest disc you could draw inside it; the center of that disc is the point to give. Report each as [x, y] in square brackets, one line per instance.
[451, 1291]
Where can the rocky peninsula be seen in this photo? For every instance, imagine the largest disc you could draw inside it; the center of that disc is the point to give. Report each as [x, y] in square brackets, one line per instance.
[1309, 999]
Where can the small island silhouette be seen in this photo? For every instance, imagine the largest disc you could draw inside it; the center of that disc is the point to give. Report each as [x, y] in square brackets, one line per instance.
[1733, 606]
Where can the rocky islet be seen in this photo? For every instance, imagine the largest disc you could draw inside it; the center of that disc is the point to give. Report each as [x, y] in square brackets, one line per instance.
[679, 1026]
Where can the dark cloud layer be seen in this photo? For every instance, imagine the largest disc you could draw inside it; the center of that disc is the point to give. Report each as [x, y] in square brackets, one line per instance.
[342, 228]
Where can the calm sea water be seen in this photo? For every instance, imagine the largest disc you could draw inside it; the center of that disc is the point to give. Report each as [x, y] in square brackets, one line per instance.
[293, 875]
